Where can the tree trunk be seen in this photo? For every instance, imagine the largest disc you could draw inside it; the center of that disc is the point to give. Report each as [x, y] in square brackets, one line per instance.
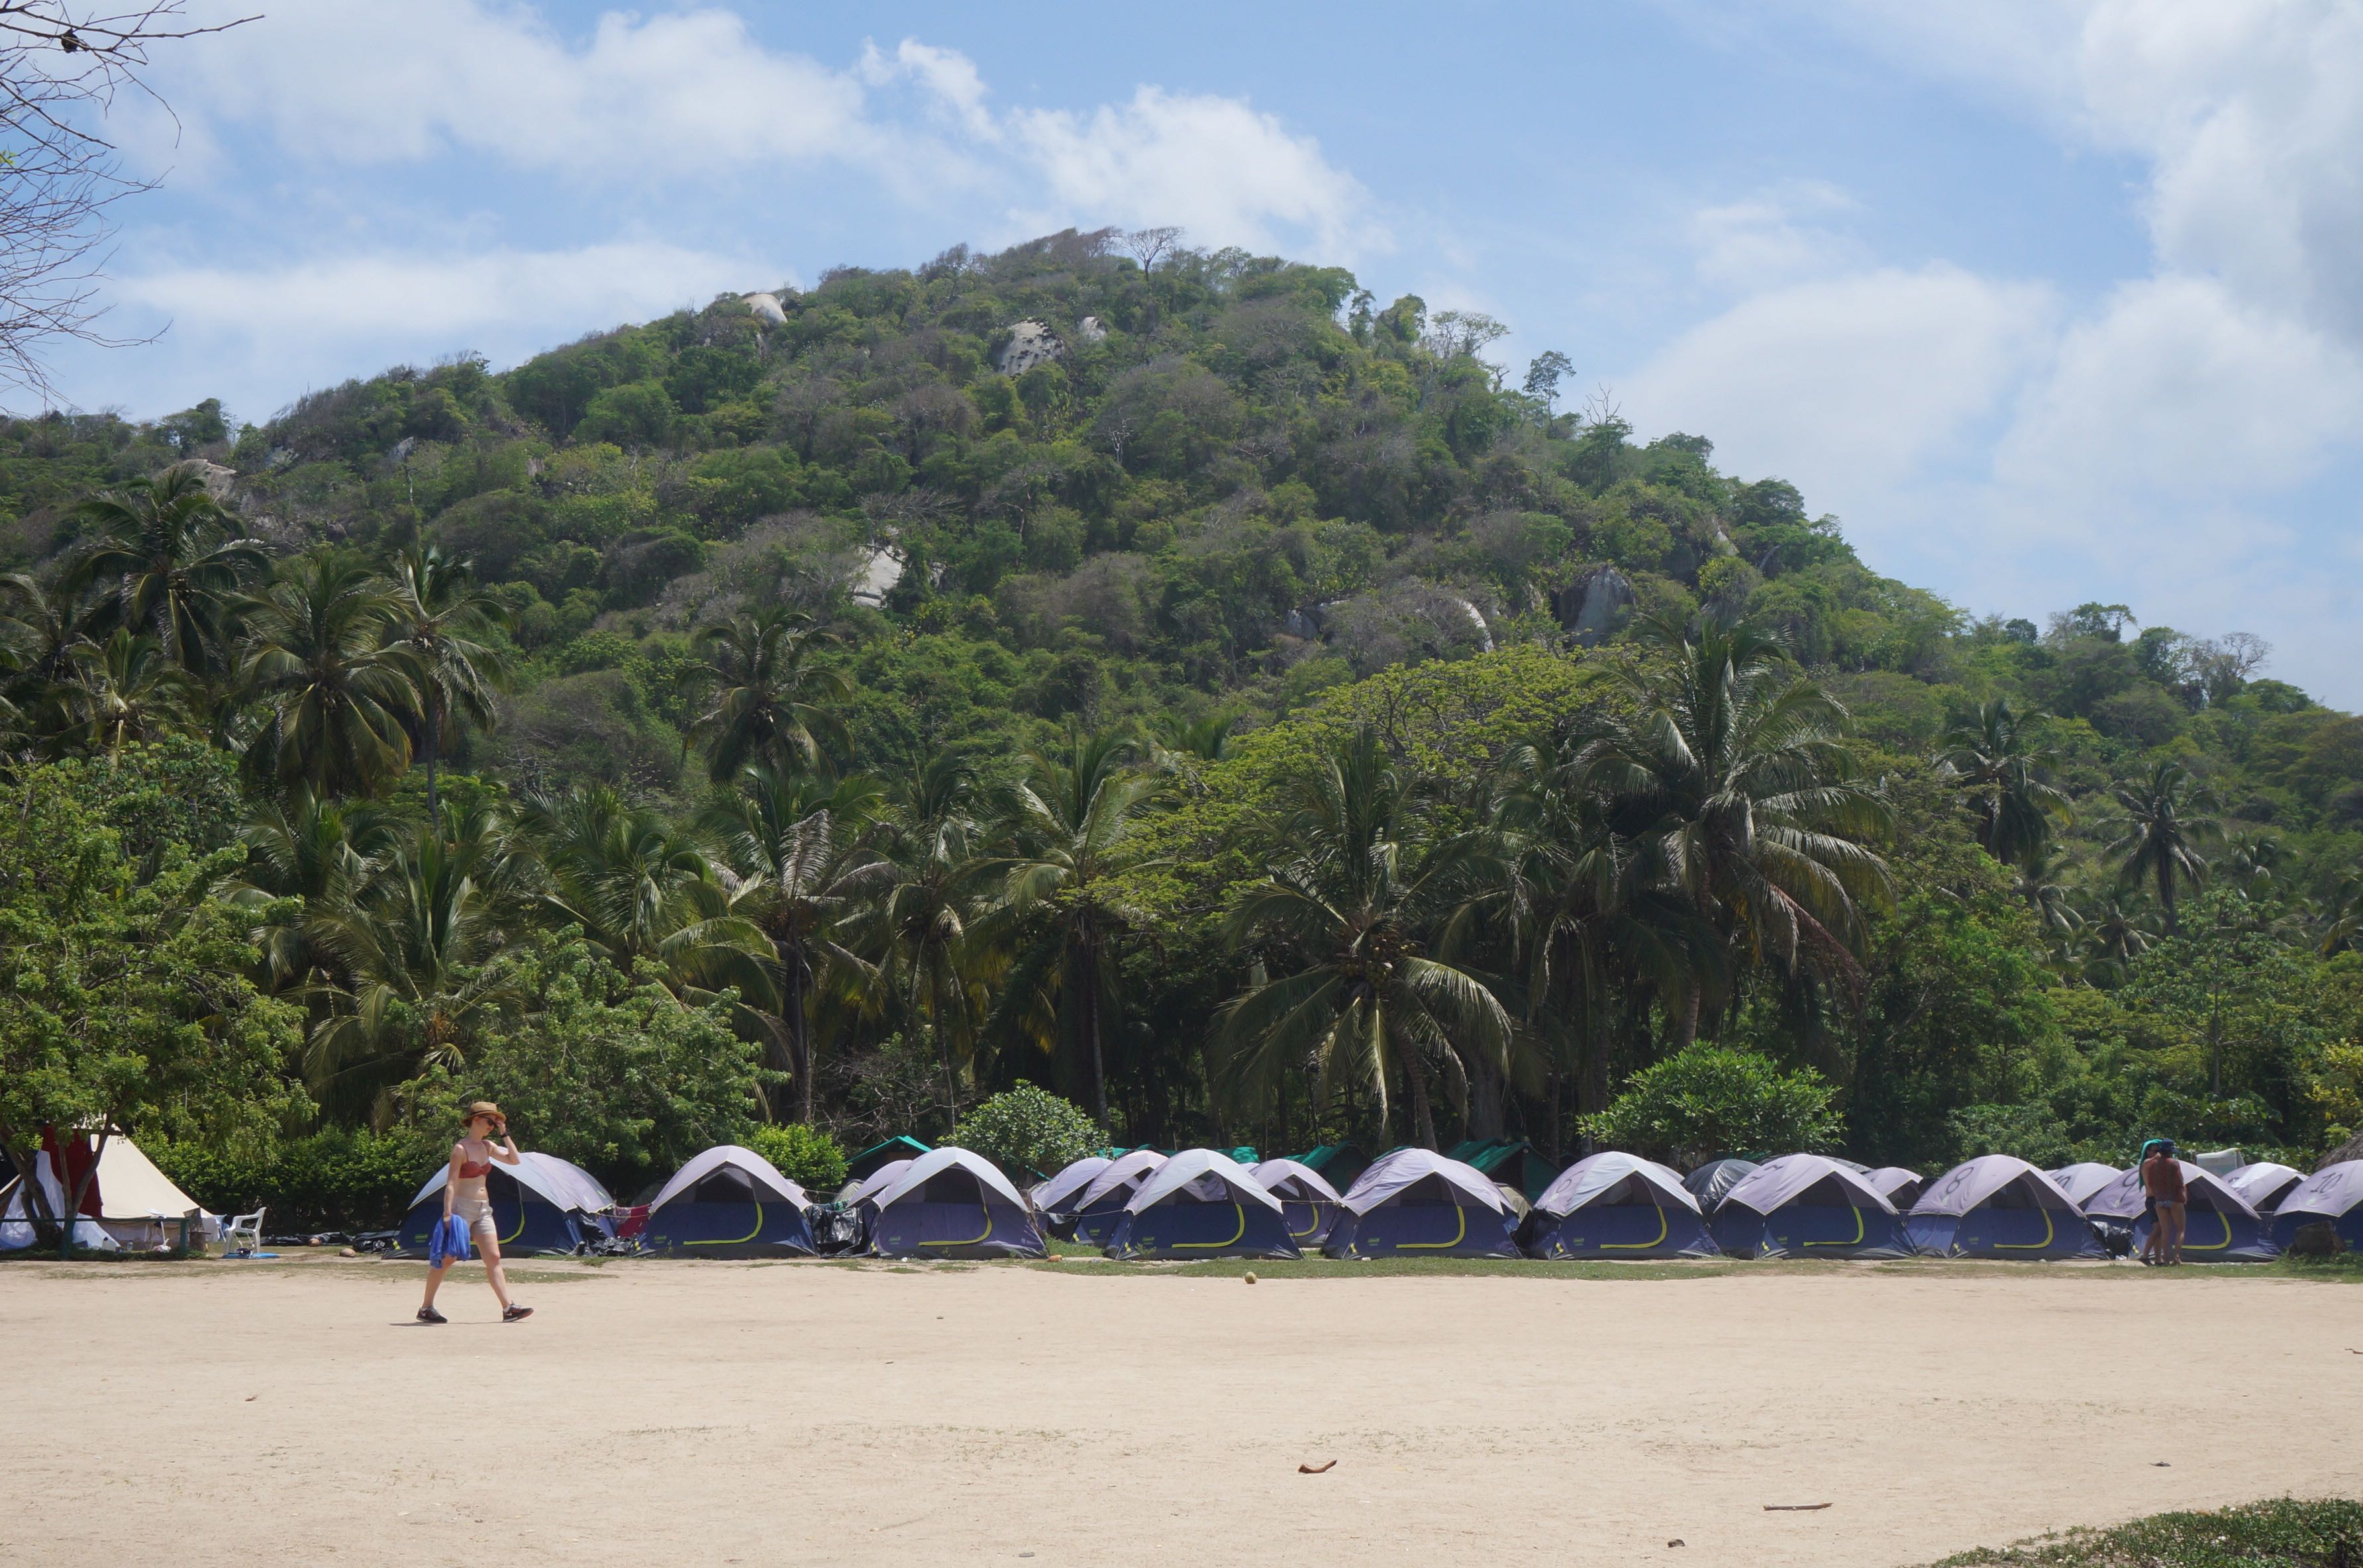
[1686, 1020]
[1088, 981]
[434, 739]
[799, 978]
[1422, 1115]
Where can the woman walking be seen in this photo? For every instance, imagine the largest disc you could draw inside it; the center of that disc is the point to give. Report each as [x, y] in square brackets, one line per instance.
[464, 1196]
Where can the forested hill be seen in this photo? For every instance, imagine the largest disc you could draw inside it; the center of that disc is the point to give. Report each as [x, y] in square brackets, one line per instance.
[1217, 501]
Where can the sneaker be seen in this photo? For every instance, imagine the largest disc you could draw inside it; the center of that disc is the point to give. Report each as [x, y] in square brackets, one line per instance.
[514, 1313]
[428, 1315]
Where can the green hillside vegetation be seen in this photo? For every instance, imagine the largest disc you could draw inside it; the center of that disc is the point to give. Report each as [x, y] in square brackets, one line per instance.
[1263, 721]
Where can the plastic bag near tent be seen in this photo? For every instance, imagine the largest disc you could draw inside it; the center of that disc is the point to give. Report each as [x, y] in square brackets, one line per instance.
[1094, 1217]
[541, 1205]
[1202, 1204]
[1806, 1206]
[2219, 1225]
[950, 1203]
[2265, 1184]
[1998, 1206]
[1615, 1205]
[728, 1202]
[1712, 1181]
[1416, 1203]
[2331, 1196]
[1307, 1200]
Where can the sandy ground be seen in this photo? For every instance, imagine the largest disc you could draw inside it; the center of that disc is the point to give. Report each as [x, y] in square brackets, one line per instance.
[713, 1413]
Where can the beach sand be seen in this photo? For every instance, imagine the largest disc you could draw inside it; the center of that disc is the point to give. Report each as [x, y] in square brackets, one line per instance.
[665, 1413]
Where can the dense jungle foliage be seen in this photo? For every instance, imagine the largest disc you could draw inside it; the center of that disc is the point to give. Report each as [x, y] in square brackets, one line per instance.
[1257, 718]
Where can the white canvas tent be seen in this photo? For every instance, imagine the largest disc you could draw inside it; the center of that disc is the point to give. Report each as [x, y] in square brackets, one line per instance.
[139, 1205]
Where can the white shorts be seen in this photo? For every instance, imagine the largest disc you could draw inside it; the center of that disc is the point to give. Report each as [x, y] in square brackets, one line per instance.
[476, 1213]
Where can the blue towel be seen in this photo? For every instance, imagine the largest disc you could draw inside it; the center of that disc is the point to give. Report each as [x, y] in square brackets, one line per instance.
[447, 1243]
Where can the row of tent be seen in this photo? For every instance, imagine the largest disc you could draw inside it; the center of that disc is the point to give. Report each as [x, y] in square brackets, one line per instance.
[1201, 1203]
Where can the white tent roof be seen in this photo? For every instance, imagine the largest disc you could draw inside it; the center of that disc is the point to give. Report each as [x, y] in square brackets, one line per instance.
[2263, 1180]
[1595, 1175]
[877, 1181]
[1208, 1174]
[132, 1187]
[1776, 1182]
[1069, 1181]
[1388, 1178]
[763, 1173]
[555, 1181]
[1126, 1171]
[2332, 1190]
[2125, 1199]
[935, 1162]
[2081, 1180]
[1893, 1179]
[1973, 1182]
[1287, 1178]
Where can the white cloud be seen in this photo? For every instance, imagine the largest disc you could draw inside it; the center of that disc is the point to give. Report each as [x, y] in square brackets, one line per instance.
[659, 95]
[1846, 385]
[1774, 237]
[257, 338]
[2178, 389]
[1214, 165]
[693, 96]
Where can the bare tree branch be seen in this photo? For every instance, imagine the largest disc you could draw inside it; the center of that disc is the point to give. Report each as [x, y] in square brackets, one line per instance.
[62, 64]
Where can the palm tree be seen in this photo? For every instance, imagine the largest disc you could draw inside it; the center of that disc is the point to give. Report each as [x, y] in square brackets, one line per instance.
[174, 561]
[438, 623]
[935, 843]
[1729, 780]
[773, 704]
[2041, 882]
[316, 854]
[1586, 930]
[123, 689]
[2158, 838]
[2114, 935]
[797, 862]
[637, 886]
[1070, 820]
[42, 633]
[2002, 768]
[412, 941]
[1354, 913]
[334, 701]
[2342, 922]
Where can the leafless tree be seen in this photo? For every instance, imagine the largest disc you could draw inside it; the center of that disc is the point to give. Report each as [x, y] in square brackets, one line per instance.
[62, 64]
[1146, 245]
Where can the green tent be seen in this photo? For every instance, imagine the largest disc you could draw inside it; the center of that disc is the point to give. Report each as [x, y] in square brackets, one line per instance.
[867, 1162]
[1338, 1164]
[1508, 1162]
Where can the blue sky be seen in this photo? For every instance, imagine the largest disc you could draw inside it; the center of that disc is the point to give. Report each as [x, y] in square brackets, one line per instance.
[2049, 303]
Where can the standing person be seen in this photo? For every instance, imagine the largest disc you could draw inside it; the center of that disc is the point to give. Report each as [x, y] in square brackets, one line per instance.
[2162, 1185]
[464, 1195]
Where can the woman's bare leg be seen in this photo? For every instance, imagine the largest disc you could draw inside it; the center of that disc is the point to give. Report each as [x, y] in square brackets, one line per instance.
[434, 1283]
[493, 1274]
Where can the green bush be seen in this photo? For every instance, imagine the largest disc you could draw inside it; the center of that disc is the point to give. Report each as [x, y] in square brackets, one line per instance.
[333, 1180]
[806, 1155]
[2287, 1529]
[1710, 1101]
[1029, 1129]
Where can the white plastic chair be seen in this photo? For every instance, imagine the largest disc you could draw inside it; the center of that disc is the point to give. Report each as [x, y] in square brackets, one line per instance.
[242, 1234]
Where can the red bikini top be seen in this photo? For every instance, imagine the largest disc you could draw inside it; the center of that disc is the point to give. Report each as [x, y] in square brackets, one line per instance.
[471, 1169]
